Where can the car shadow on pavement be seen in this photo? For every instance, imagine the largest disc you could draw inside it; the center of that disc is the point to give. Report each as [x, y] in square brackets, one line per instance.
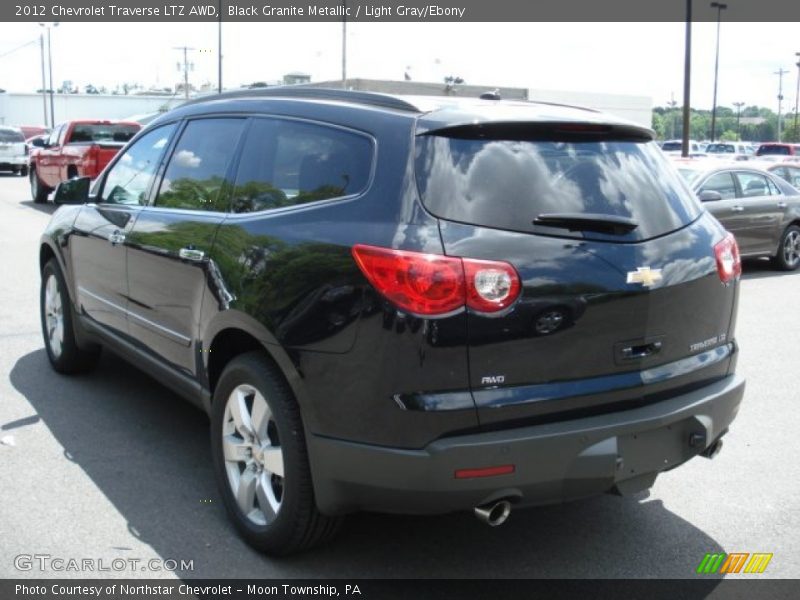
[759, 268]
[147, 451]
[45, 207]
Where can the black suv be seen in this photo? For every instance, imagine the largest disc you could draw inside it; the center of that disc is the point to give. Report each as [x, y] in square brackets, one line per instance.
[413, 305]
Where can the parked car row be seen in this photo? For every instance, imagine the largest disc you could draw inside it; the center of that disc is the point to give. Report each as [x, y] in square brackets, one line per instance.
[13, 151]
[755, 201]
[731, 150]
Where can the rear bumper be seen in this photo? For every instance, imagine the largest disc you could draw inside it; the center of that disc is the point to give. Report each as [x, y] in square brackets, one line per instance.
[555, 462]
[13, 162]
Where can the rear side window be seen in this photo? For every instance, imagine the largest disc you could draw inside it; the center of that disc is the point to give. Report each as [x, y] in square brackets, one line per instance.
[285, 163]
[506, 184]
[753, 184]
[195, 176]
[9, 136]
[90, 132]
[773, 149]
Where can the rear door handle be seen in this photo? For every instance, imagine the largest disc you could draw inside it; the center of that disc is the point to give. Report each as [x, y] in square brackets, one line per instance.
[737, 208]
[116, 238]
[781, 204]
[190, 253]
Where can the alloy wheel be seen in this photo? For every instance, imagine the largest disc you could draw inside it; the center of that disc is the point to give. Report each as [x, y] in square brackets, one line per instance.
[54, 316]
[253, 455]
[791, 248]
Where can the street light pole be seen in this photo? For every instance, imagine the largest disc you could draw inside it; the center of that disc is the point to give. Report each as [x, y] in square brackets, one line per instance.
[50, 68]
[687, 72]
[672, 104]
[797, 99]
[738, 106]
[720, 7]
[780, 73]
[44, 81]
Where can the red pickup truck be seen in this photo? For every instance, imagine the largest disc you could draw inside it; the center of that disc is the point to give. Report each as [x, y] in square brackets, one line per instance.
[76, 149]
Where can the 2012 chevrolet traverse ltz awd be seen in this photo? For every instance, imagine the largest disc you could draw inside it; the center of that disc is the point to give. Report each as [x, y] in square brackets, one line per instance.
[414, 305]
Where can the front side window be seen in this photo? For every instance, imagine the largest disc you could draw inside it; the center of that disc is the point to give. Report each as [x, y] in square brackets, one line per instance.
[130, 178]
[285, 163]
[721, 183]
[195, 176]
[54, 135]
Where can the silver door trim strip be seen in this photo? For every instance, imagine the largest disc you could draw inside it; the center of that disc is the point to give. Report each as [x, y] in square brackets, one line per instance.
[160, 328]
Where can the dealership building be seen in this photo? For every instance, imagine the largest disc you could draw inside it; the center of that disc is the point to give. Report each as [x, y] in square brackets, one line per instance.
[29, 108]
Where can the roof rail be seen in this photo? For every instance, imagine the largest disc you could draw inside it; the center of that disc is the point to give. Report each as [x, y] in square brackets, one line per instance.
[313, 93]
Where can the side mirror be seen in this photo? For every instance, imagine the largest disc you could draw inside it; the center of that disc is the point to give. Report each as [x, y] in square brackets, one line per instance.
[73, 191]
[38, 143]
[709, 196]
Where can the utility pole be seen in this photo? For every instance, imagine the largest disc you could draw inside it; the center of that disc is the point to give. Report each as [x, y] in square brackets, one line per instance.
[185, 67]
[720, 7]
[797, 99]
[219, 50]
[344, 44]
[738, 106]
[44, 81]
[687, 78]
[672, 104]
[780, 73]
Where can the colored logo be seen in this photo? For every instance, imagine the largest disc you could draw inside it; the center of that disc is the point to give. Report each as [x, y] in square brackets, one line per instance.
[736, 562]
[645, 275]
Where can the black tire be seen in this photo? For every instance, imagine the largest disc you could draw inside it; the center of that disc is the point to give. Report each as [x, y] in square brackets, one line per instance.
[788, 255]
[296, 524]
[39, 191]
[69, 357]
[23, 172]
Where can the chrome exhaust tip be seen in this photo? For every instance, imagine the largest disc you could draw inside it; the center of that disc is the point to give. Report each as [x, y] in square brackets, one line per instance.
[494, 514]
[713, 449]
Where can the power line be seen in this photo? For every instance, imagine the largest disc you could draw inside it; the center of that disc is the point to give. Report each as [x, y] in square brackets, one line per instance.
[26, 44]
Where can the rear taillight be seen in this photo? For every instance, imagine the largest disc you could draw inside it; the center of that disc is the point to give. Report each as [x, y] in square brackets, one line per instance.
[491, 285]
[729, 263]
[436, 285]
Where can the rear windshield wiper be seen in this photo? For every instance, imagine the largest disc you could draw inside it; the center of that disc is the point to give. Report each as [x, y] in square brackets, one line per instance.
[610, 224]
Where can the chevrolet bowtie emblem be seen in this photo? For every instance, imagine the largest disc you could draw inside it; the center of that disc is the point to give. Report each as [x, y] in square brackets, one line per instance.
[644, 275]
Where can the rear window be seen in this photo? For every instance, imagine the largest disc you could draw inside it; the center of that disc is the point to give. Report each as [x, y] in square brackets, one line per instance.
[721, 149]
[672, 146]
[8, 136]
[773, 149]
[506, 184]
[103, 133]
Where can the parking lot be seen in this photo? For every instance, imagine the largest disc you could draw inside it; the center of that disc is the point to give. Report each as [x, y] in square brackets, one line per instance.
[111, 465]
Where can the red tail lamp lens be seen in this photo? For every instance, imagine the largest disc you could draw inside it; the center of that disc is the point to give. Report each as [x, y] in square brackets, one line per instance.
[729, 263]
[436, 285]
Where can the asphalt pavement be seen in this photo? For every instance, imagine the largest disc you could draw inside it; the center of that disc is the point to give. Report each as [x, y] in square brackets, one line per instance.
[110, 465]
